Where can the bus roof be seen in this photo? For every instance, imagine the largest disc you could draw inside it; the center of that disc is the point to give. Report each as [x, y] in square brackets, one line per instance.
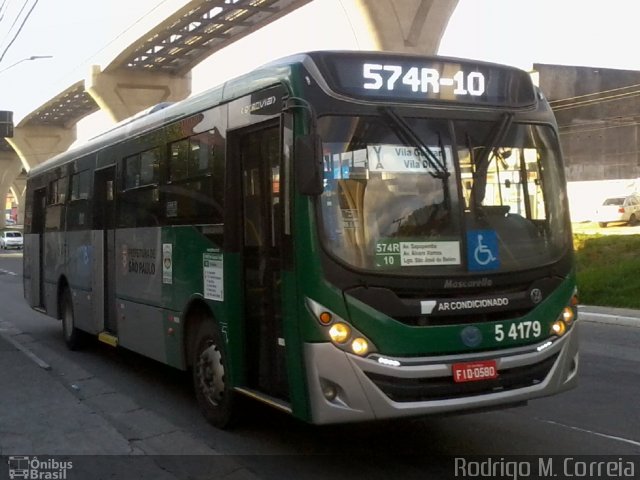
[259, 78]
[335, 70]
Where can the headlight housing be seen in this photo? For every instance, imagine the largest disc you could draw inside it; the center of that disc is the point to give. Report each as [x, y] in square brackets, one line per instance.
[566, 318]
[340, 332]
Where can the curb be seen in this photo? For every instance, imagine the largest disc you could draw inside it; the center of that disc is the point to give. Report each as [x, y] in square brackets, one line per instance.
[620, 317]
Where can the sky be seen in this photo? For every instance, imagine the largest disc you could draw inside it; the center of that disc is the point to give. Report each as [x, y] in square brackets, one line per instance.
[564, 32]
[79, 33]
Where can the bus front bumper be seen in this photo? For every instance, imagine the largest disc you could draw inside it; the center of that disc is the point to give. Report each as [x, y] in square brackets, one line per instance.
[348, 388]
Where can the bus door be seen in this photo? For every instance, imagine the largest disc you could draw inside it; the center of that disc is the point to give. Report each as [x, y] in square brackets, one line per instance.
[37, 260]
[103, 280]
[260, 156]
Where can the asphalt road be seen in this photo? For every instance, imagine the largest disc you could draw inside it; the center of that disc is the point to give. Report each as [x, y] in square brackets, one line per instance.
[600, 417]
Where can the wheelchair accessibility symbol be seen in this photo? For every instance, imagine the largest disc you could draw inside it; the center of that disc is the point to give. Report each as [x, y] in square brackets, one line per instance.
[482, 250]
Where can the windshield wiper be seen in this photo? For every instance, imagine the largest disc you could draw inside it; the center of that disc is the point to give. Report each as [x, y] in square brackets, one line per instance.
[496, 135]
[407, 135]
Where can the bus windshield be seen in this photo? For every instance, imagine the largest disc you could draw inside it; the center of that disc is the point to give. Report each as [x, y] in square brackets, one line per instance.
[493, 201]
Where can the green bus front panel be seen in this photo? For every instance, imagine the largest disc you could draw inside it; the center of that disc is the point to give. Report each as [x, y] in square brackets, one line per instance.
[397, 339]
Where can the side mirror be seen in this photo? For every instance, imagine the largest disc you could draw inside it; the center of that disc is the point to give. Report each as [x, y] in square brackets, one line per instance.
[308, 165]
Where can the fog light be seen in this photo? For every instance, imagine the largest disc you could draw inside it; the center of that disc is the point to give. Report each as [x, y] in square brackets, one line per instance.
[340, 332]
[360, 346]
[329, 391]
[558, 328]
[568, 315]
[325, 318]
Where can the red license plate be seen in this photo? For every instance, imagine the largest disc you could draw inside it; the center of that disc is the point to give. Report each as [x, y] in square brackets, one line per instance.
[474, 371]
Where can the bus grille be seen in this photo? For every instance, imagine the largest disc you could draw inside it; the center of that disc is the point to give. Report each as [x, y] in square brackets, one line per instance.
[443, 388]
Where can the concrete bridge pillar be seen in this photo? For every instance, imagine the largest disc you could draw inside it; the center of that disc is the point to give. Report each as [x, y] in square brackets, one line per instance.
[410, 26]
[10, 168]
[19, 190]
[37, 143]
[124, 92]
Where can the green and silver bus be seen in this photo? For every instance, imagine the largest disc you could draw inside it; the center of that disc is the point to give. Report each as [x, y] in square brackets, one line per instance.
[345, 236]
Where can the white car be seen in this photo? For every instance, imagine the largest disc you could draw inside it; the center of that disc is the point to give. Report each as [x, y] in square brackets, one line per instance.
[11, 239]
[619, 209]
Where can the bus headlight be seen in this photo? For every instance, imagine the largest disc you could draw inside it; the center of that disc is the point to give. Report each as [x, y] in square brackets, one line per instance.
[360, 346]
[340, 332]
[558, 328]
[568, 315]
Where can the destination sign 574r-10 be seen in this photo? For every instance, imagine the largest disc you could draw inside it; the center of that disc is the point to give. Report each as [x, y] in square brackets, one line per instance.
[400, 78]
[390, 77]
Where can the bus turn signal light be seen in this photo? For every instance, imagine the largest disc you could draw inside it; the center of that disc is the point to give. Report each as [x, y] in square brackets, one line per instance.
[325, 318]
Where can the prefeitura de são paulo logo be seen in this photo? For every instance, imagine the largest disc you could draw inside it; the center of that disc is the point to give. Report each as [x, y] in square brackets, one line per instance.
[33, 468]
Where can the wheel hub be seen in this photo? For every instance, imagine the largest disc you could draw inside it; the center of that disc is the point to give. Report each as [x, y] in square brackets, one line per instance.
[211, 374]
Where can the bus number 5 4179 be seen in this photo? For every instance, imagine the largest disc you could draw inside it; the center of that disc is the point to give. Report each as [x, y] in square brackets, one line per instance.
[519, 331]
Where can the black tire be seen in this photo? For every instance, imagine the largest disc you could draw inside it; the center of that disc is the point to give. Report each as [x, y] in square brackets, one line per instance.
[217, 400]
[602, 224]
[633, 220]
[73, 338]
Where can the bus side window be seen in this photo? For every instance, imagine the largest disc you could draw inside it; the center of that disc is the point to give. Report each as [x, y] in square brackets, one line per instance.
[78, 210]
[194, 192]
[139, 196]
[56, 198]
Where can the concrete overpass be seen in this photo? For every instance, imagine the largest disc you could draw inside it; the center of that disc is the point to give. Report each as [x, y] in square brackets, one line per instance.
[156, 67]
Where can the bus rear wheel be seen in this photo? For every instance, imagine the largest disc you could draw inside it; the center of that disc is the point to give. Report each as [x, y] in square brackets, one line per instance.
[73, 338]
[210, 380]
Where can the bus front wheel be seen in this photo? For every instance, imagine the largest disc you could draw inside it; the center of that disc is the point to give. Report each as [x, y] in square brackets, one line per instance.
[210, 379]
[73, 337]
